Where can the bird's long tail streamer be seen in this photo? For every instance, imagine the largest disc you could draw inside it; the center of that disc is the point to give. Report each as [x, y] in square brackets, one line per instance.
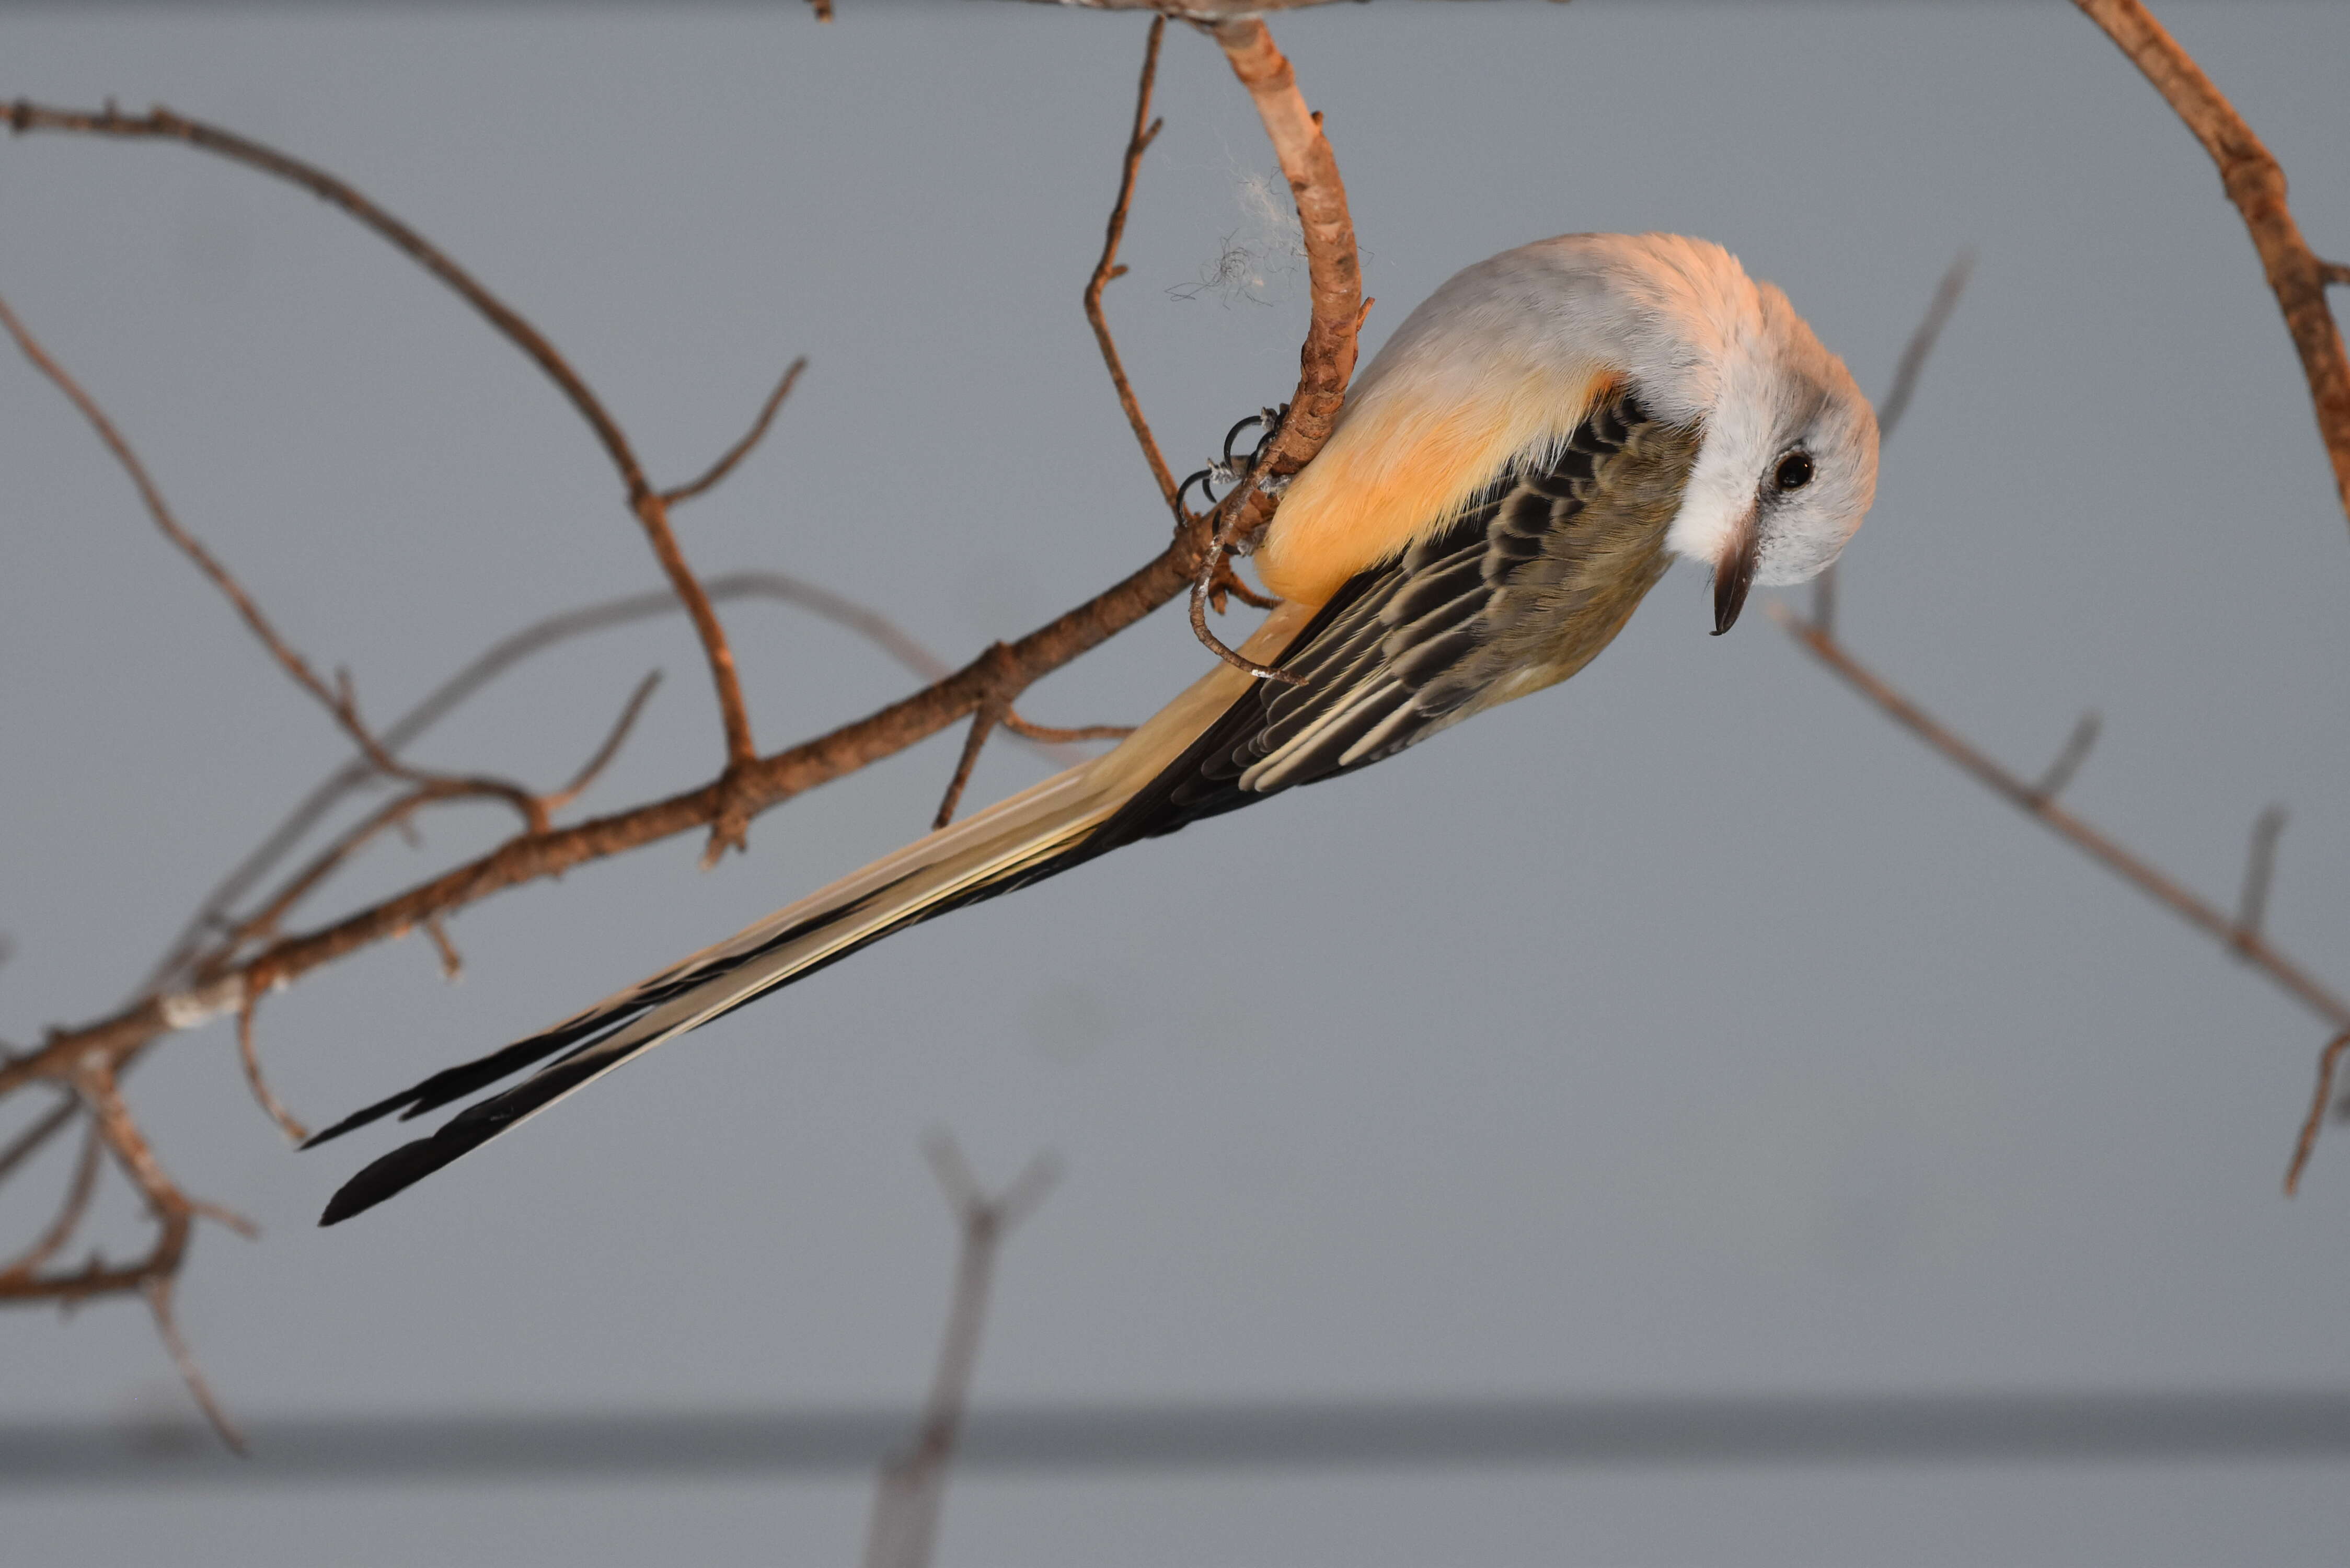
[1032, 835]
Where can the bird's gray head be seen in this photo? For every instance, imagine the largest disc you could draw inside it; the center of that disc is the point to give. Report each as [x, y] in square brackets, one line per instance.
[1788, 466]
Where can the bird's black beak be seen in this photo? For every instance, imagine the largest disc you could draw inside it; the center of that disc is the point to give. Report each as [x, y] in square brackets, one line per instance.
[1734, 573]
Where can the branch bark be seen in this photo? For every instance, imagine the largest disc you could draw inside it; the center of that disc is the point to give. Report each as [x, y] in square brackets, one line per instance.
[2254, 181]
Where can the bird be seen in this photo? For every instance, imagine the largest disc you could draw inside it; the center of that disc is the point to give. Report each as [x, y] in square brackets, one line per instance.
[1529, 451]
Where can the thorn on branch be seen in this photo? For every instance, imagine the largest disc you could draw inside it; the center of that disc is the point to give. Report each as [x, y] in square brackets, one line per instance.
[2259, 868]
[2068, 760]
[2328, 1060]
[2334, 273]
[453, 962]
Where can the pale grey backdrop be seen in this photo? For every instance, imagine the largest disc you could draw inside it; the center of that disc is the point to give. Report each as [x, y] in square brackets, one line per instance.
[1686, 1029]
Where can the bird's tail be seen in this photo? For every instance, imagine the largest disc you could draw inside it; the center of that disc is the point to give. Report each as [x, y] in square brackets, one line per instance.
[1045, 829]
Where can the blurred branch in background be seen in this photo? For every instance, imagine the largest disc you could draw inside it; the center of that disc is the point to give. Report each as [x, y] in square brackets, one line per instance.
[2241, 934]
[913, 1485]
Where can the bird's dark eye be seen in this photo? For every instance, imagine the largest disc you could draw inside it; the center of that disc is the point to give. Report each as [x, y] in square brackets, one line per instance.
[1794, 470]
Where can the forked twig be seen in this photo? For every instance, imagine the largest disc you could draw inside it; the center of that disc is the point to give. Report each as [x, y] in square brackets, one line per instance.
[1146, 131]
[501, 656]
[906, 1502]
[651, 510]
[338, 700]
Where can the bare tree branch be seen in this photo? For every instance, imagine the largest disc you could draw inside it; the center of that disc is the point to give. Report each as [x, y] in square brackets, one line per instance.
[2156, 884]
[2254, 181]
[647, 503]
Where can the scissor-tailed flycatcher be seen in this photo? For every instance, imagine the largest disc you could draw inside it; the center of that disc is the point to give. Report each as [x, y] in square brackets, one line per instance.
[1509, 478]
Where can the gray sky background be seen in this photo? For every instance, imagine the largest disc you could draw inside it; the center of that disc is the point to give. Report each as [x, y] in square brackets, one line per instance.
[1687, 1029]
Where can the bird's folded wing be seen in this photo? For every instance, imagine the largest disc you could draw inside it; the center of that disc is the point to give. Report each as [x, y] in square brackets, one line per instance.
[1524, 588]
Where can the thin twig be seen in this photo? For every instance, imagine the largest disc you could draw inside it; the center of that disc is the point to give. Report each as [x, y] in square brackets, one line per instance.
[2254, 181]
[34, 1139]
[76, 1204]
[338, 700]
[645, 502]
[1920, 346]
[158, 1290]
[613, 741]
[1896, 403]
[1049, 736]
[2260, 869]
[2328, 1060]
[2250, 945]
[453, 962]
[265, 1097]
[493, 662]
[974, 740]
[1146, 131]
[2068, 760]
[741, 449]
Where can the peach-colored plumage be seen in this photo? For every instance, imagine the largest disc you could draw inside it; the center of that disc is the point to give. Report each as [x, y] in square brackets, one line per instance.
[1409, 453]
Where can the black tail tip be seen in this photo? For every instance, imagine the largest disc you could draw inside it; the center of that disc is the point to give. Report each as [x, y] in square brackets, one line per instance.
[404, 1166]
